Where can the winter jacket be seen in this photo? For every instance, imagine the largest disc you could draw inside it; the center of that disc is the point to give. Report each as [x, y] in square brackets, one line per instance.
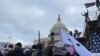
[16, 52]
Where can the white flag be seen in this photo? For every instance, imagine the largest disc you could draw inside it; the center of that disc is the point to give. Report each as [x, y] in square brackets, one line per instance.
[67, 39]
[64, 38]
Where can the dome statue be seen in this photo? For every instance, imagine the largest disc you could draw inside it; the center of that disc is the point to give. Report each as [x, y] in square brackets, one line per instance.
[58, 25]
[55, 29]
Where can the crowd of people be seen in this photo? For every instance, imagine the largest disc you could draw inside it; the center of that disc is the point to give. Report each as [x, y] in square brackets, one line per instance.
[17, 50]
[35, 50]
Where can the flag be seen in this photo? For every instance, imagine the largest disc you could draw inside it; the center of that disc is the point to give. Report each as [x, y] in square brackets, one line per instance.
[65, 38]
[95, 41]
[59, 51]
[67, 43]
[89, 4]
[79, 48]
[69, 48]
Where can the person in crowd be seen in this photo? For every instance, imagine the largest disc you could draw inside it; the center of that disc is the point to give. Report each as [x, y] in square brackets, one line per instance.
[1, 54]
[58, 49]
[46, 51]
[26, 50]
[68, 54]
[50, 50]
[7, 49]
[38, 51]
[32, 50]
[1, 50]
[75, 54]
[18, 50]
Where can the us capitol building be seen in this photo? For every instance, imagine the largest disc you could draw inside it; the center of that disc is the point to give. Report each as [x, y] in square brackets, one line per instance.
[56, 36]
[56, 26]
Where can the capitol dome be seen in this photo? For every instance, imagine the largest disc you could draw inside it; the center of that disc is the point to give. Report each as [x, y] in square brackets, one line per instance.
[58, 25]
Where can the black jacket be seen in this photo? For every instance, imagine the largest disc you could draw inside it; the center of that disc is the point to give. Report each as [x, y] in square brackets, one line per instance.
[29, 53]
[16, 52]
[1, 54]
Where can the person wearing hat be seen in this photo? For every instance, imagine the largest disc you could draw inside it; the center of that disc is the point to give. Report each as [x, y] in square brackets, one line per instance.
[8, 49]
[32, 50]
[38, 51]
[18, 45]
[18, 50]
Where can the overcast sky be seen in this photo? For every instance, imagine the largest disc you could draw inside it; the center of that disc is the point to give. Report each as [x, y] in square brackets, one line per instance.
[21, 19]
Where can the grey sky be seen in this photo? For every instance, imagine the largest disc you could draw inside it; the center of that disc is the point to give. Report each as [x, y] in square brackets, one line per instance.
[21, 19]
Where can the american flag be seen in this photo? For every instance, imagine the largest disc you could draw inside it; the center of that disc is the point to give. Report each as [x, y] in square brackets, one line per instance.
[70, 40]
[95, 41]
[69, 48]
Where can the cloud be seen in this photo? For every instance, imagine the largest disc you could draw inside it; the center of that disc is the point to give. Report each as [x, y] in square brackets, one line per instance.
[21, 19]
[18, 21]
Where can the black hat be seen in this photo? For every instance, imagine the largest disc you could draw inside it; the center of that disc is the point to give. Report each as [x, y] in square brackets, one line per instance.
[34, 47]
[19, 44]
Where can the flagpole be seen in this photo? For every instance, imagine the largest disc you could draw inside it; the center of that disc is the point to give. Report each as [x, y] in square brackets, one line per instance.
[98, 4]
[88, 34]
